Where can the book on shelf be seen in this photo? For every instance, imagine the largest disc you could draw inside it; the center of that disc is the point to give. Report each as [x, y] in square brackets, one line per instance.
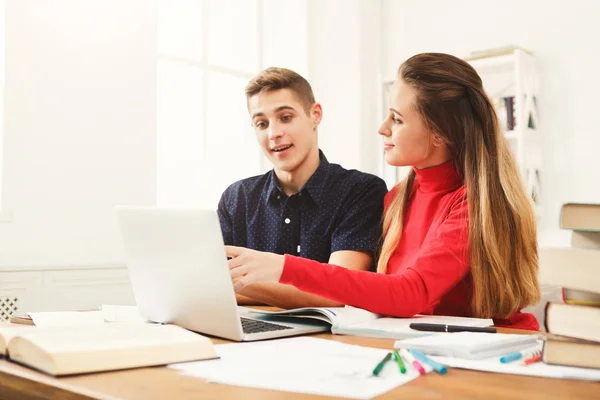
[507, 115]
[585, 239]
[573, 320]
[509, 104]
[75, 350]
[359, 322]
[505, 109]
[571, 352]
[570, 267]
[580, 217]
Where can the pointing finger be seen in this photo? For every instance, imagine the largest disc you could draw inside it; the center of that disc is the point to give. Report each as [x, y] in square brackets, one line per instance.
[234, 263]
[233, 251]
[238, 272]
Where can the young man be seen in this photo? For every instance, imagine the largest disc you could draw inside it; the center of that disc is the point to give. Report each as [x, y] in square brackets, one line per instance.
[305, 206]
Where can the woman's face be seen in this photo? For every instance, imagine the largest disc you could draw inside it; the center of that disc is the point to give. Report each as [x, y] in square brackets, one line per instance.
[406, 138]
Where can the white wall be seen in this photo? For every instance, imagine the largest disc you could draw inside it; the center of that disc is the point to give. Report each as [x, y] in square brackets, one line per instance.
[2, 75]
[80, 127]
[565, 40]
[344, 63]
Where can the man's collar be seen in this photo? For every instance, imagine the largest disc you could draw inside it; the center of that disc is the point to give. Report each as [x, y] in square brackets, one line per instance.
[315, 186]
[316, 183]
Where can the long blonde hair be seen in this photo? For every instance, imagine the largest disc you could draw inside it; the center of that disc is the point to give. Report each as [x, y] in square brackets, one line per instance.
[502, 228]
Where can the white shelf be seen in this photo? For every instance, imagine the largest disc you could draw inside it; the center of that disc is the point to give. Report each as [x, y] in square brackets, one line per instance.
[510, 135]
[492, 64]
[515, 75]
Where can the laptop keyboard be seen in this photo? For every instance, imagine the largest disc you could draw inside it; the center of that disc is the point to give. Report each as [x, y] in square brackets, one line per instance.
[256, 326]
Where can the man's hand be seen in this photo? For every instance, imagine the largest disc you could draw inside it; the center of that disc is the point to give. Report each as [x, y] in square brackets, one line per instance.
[250, 266]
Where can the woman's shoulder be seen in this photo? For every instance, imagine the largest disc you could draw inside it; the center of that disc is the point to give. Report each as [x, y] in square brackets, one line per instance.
[459, 194]
[390, 195]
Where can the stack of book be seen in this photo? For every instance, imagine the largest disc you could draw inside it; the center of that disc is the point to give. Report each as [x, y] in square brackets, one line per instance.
[575, 324]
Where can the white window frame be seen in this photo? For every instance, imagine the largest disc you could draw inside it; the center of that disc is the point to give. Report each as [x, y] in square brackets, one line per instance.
[207, 68]
[4, 214]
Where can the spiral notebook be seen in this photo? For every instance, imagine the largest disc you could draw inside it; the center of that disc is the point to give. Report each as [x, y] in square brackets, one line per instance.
[469, 345]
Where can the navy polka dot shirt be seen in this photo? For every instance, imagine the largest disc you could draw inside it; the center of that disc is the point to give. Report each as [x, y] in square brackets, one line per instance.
[337, 209]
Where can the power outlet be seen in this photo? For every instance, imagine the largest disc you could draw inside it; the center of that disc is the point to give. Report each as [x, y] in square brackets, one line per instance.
[6, 216]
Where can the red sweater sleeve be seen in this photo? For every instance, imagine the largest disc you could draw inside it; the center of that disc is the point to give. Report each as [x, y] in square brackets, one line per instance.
[441, 264]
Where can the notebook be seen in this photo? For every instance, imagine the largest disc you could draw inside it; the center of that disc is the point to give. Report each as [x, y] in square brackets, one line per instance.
[469, 345]
[359, 322]
[75, 350]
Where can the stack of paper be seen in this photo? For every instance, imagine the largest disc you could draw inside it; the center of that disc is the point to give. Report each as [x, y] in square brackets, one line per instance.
[493, 364]
[469, 345]
[305, 365]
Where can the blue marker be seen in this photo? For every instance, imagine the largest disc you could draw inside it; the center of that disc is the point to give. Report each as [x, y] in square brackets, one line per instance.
[511, 357]
[435, 365]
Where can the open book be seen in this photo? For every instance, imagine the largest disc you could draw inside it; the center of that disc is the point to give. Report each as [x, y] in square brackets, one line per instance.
[359, 322]
[74, 350]
[7, 332]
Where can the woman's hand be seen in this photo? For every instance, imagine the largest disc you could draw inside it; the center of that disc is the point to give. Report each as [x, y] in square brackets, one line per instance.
[250, 266]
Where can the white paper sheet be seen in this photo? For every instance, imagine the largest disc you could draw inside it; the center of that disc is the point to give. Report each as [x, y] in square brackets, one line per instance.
[112, 313]
[399, 328]
[67, 318]
[493, 364]
[304, 365]
[107, 313]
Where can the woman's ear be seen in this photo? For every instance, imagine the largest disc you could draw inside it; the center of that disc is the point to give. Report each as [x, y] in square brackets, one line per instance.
[437, 140]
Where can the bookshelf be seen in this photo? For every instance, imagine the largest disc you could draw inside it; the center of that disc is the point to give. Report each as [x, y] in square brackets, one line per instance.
[510, 78]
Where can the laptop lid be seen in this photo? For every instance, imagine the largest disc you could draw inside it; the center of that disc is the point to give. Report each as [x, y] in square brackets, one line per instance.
[179, 274]
[178, 269]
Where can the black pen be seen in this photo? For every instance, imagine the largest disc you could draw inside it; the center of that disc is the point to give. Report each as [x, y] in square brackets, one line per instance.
[449, 328]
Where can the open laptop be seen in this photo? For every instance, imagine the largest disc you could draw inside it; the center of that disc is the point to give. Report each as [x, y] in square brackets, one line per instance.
[179, 274]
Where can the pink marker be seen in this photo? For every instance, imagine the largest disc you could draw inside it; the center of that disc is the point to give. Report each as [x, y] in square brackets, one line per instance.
[409, 357]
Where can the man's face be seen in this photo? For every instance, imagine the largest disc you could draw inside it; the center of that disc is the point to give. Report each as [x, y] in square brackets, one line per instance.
[285, 132]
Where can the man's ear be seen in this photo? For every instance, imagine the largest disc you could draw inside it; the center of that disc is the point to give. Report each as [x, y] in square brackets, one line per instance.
[316, 113]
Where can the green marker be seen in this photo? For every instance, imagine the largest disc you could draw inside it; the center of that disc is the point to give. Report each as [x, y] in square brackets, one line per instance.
[381, 364]
[399, 361]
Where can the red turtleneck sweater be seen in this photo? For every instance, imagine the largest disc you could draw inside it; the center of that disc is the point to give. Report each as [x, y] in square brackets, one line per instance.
[428, 273]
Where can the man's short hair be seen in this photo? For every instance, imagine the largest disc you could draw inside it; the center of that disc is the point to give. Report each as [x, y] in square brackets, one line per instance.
[274, 78]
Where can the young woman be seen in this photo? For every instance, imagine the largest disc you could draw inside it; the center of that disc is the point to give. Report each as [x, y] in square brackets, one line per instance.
[459, 235]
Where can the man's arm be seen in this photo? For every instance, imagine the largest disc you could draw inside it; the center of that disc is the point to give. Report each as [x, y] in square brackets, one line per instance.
[287, 296]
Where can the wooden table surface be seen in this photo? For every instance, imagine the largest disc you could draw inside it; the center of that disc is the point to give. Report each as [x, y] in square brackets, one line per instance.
[21, 383]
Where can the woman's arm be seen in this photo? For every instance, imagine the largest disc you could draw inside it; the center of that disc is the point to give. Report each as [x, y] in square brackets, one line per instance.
[441, 264]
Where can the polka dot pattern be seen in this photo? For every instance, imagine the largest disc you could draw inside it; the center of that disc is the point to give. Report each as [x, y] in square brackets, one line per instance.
[337, 209]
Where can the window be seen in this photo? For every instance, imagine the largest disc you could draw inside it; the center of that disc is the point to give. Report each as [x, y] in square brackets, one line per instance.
[208, 50]
[2, 95]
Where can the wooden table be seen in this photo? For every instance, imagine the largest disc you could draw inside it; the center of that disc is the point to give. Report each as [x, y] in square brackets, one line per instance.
[20, 383]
